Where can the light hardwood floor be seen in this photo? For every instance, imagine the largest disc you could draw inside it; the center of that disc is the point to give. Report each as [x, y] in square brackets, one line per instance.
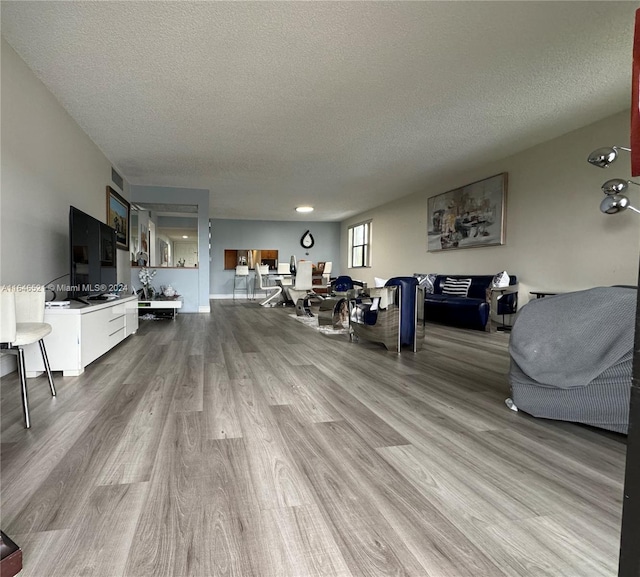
[243, 443]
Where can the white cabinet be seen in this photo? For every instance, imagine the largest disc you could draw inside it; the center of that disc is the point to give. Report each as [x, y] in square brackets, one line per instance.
[82, 333]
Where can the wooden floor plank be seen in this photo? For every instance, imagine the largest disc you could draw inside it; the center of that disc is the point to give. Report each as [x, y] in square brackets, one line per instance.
[377, 431]
[276, 479]
[219, 408]
[368, 543]
[60, 498]
[20, 479]
[438, 544]
[132, 460]
[171, 519]
[108, 525]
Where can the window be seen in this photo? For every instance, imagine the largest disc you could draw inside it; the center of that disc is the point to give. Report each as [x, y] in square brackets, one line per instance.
[360, 245]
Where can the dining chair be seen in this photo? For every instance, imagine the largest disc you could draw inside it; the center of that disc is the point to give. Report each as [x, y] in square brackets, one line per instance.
[326, 273]
[260, 279]
[22, 323]
[271, 292]
[284, 271]
[302, 290]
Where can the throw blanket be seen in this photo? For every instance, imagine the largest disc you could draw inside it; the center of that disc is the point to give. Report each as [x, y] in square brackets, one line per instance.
[570, 339]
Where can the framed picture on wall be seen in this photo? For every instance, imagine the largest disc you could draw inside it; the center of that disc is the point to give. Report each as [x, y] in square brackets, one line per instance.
[469, 216]
[118, 216]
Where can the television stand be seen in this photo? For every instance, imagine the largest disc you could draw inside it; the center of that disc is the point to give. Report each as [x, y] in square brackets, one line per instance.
[83, 333]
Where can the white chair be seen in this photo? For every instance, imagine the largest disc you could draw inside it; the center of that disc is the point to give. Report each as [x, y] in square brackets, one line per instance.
[302, 289]
[326, 273]
[241, 280]
[284, 269]
[260, 280]
[22, 323]
[276, 290]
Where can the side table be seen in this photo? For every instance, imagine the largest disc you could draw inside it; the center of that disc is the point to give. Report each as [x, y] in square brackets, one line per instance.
[500, 292]
[165, 305]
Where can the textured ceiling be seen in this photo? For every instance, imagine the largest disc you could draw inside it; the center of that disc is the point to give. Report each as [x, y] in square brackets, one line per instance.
[341, 105]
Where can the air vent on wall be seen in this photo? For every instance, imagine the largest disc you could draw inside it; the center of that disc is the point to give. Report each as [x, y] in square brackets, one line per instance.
[117, 179]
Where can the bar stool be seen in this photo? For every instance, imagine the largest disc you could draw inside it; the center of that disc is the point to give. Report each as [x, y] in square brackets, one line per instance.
[241, 280]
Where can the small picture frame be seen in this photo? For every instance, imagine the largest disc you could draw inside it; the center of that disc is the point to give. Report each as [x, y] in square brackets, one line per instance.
[118, 217]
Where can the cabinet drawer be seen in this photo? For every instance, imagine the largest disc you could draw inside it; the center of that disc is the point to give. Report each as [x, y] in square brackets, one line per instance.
[116, 323]
[101, 330]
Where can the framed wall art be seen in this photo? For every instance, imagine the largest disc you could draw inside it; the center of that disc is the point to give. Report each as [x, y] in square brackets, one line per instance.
[118, 216]
[469, 216]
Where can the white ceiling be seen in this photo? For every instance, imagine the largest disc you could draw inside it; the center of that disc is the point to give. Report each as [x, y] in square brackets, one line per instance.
[341, 105]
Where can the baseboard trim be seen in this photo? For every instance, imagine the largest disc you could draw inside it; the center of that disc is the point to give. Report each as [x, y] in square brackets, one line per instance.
[204, 309]
[229, 296]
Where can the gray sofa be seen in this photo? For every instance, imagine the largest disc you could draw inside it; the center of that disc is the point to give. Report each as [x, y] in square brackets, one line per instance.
[572, 356]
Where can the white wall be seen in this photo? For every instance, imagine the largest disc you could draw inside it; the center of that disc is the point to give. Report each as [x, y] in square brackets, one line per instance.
[557, 238]
[47, 164]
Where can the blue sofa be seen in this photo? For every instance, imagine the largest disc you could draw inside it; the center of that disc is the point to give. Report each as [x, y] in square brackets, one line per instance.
[470, 312]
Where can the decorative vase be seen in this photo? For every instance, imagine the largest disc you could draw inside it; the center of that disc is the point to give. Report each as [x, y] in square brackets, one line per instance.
[169, 292]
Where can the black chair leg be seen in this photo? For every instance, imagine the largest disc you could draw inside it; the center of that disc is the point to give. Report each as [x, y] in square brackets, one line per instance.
[23, 387]
[45, 360]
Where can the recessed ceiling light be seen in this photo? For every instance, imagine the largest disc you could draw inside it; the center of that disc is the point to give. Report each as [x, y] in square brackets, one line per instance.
[304, 209]
[184, 236]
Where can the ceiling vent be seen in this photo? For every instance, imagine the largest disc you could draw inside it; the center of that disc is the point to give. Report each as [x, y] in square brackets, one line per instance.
[117, 179]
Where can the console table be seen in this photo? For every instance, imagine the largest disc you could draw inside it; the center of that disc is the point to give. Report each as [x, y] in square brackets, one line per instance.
[541, 295]
[82, 333]
[165, 304]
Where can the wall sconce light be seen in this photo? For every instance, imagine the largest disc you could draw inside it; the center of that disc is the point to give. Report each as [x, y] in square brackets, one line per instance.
[603, 157]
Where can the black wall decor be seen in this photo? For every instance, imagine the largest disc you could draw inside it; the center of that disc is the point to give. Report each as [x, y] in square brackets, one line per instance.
[307, 241]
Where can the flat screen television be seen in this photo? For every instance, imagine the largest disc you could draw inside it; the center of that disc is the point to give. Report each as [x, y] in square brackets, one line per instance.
[93, 257]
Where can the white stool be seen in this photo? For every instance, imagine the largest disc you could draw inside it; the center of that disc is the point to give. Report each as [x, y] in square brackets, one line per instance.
[241, 280]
